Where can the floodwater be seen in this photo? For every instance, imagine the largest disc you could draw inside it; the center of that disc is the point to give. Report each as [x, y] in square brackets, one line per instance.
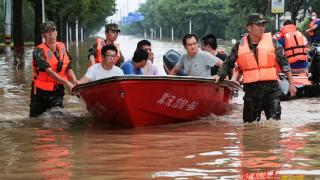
[73, 146]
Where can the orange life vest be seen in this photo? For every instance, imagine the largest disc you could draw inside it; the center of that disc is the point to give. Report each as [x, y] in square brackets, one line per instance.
[260, 67]
[41, 79]
[312, 33]
[295, 45]
[100, 43]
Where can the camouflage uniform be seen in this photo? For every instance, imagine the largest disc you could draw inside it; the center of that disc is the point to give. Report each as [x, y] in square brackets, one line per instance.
[259, 96]
[93, 49]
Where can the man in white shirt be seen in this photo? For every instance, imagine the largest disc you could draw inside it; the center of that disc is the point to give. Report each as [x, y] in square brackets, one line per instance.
[149, 68]
[104, 69]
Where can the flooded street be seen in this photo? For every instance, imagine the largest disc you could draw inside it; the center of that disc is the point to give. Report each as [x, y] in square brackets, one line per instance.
[73, 146]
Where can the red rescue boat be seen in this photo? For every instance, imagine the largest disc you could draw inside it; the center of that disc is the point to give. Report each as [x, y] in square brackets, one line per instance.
[134, 101]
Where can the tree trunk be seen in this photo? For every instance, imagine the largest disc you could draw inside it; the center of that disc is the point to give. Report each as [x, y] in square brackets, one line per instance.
[17, 25]
[37, 22]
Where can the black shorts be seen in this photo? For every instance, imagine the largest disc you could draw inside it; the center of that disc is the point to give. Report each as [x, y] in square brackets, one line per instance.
[252, 109]
[44, 100]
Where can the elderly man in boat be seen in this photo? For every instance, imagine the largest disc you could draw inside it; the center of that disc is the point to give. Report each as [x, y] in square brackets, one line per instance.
[195, 62]
[104, 69]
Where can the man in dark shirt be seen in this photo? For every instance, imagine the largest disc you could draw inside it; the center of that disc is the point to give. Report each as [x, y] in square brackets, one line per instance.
[209, 44]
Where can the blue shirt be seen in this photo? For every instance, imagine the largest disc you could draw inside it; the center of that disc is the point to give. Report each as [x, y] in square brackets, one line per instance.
[282, 42]
[128, 68]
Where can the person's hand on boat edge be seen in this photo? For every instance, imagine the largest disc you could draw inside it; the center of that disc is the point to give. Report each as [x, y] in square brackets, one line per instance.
[293, 89]
[216, 78]
[69, 86]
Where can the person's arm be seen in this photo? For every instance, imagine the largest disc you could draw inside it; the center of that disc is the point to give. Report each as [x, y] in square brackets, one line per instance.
[219, 62]
[58, 78]
[316, 24]
[70, 72]
[83, 80]
[227, 65]
[285, 66]
[174, 70]
[72, 77]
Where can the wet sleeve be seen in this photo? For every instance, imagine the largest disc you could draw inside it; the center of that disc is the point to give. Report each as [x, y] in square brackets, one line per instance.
[229, 63]
[281, 57]
[40, 60]
[92, 50]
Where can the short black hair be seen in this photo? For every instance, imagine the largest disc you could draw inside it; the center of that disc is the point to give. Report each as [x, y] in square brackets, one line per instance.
[108, 47]
[210, 40]
[188, 36]
[287, 22]
[140, 55]
[143, 43]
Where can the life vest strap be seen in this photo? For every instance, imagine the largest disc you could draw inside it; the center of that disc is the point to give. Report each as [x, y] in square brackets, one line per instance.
[297, 54]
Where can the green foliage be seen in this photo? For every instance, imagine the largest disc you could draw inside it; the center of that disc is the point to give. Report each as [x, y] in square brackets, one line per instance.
[28, 22]
[209, 16]
[224, 18]
[91, 14]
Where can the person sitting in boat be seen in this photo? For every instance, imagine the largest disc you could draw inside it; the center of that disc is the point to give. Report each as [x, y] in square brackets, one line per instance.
[195, 62]
[139, 60]
[111, 32]
[104, 69]
[257, 55]
[295, 46]
[209, 44]
[149, 68]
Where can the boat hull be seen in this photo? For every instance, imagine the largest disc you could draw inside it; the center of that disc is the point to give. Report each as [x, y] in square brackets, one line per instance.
[135, 101]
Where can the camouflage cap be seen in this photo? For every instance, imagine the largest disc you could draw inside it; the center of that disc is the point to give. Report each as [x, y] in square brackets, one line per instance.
[47, 26]
[256, 18]
[112, 27]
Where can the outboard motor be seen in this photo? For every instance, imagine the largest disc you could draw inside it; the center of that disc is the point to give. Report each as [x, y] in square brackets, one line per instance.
[170, 59]
[315, 64]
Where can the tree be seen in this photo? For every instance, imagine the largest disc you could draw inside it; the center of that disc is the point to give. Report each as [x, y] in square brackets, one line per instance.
[17, 25]
[294, 6]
